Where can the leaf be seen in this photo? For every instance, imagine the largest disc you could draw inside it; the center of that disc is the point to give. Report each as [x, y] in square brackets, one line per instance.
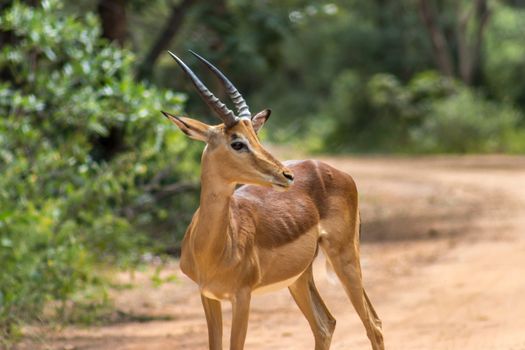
[98, 128]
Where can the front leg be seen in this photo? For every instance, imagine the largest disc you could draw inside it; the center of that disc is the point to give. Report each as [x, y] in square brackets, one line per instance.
[240, 313]
[212, 309]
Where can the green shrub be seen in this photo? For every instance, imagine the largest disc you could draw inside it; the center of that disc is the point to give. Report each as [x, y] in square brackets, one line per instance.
[504, 66]
[372, 114]
[430, 113]
[465, 122]
[89, 169]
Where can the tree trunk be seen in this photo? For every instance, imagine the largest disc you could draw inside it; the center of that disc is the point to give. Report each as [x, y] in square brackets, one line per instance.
[465, 59]
[114, 23]
[469, 51]
[439, 42]
[482, 17]
[114, 20]
[171, 27]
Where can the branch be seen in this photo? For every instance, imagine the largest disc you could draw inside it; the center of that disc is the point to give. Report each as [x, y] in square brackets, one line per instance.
[159, 192]
[175, 188]
[171, 27]
[155, 182]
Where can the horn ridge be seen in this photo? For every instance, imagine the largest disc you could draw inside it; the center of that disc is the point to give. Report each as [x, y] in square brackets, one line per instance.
[240, 104]
[222, 111]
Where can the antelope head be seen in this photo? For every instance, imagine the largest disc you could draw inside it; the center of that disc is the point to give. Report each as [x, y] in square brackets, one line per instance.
[233, 150]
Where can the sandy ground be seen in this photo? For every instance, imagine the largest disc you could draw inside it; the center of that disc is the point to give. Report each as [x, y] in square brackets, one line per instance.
[443, 257]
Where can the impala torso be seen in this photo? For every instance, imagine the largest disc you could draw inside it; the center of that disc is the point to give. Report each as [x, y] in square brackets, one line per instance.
[264, 225]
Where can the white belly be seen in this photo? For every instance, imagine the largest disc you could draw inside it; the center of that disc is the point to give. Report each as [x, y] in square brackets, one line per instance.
[275, 286]
[208, 294]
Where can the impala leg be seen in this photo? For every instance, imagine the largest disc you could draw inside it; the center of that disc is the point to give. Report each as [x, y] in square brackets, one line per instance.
[347, 267]
[240, 314]
[372, 310]
[312, 306]
[212, 309]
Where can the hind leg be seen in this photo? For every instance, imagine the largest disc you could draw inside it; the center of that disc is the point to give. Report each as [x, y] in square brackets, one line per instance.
[312, 306]
[343, 252]
[371, 308]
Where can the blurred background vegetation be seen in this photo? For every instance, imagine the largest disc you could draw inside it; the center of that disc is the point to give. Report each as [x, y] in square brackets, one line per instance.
[91, 175]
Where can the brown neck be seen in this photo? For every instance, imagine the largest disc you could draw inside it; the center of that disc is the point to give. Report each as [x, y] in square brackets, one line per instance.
[212, 236]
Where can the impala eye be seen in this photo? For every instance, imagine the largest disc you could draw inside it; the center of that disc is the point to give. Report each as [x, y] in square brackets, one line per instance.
[238, 146]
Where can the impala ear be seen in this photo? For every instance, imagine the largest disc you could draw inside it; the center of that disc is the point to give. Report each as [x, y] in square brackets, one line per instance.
[191, 127]
[260, 118]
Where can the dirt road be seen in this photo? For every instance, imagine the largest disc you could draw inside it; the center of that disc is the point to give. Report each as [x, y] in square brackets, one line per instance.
[443, 257]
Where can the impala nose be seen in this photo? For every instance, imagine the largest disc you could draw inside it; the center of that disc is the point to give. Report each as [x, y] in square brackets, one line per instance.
[288, 174]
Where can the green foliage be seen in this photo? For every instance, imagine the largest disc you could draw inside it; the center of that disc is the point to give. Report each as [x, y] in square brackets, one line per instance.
[466, 122]
[350, 72]
[322, 41]
[428, 114]
[505, 63]
[86, 160]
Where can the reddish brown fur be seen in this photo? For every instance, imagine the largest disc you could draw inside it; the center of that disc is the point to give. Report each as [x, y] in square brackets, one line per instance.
[255, 237]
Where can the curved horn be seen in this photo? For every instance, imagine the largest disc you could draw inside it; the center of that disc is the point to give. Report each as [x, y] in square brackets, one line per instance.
[240, 104]
[224, 113]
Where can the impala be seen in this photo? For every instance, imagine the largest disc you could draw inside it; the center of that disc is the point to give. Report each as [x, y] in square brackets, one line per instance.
[265, 234]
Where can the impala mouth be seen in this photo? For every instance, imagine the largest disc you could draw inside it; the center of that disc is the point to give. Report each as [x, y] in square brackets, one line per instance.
[282, 185]
[282, 182]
